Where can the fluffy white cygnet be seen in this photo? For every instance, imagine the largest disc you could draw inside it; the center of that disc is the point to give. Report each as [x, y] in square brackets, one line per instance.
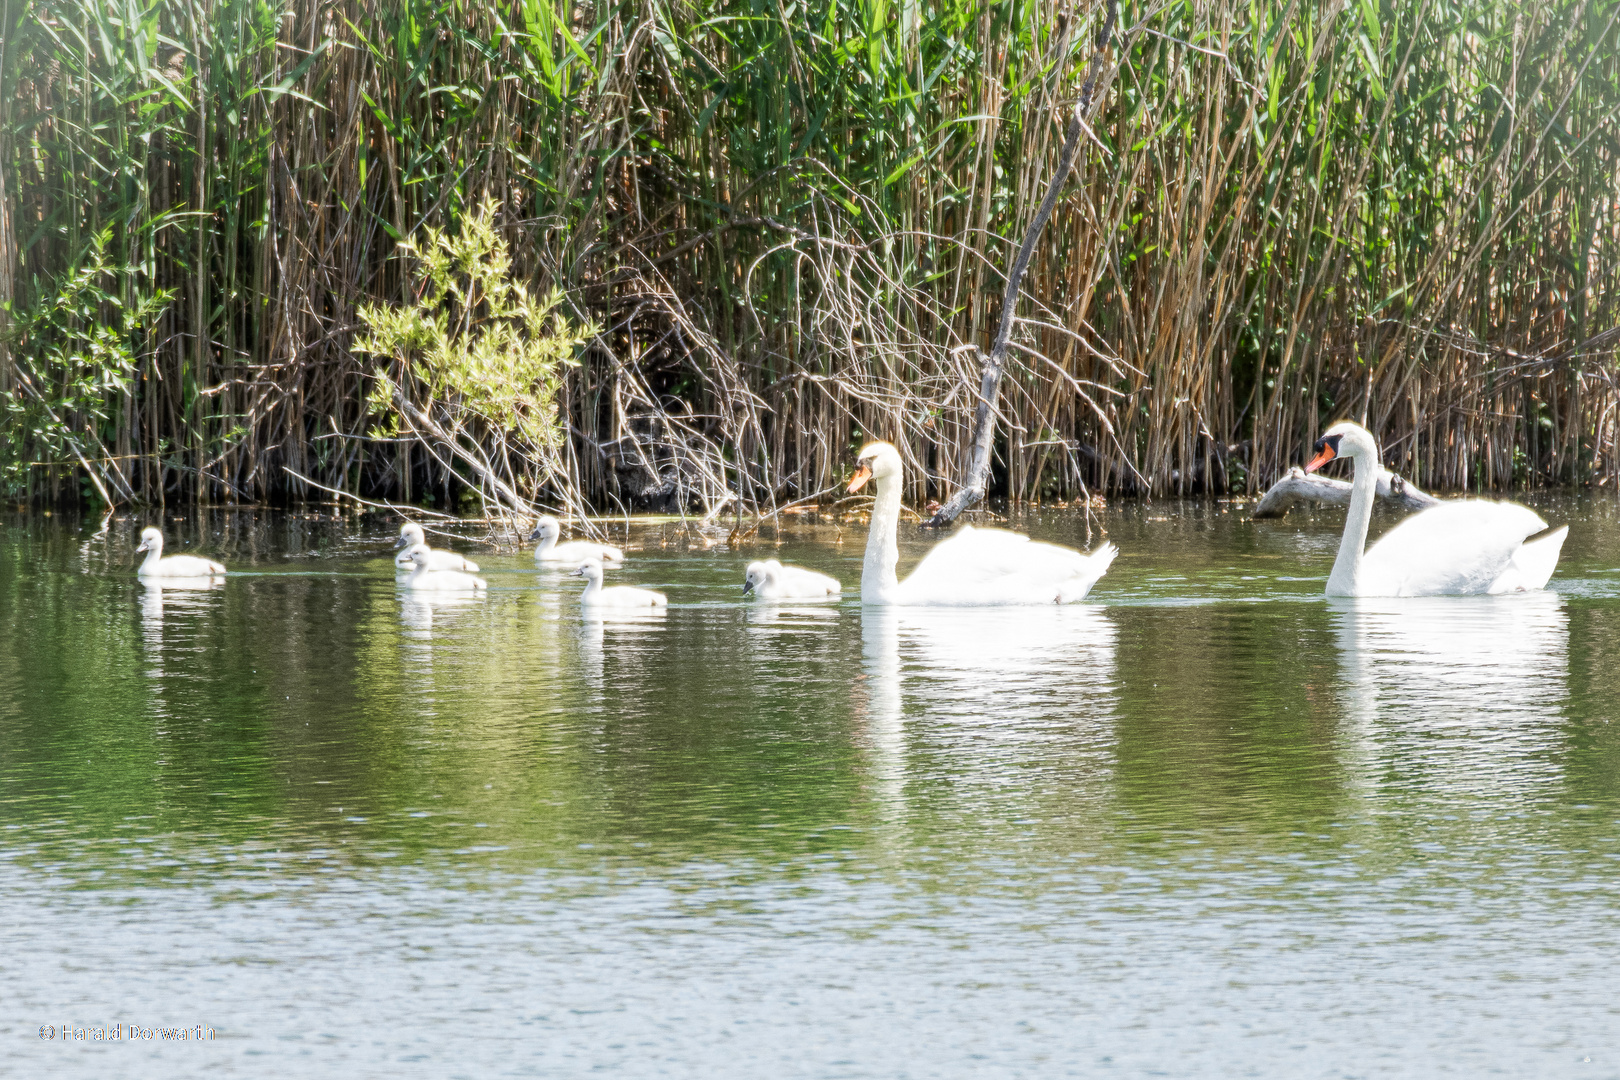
[547, 531]
[412, 538]
[424, 578]
[175, 566]
[770, 580]
[620, 597]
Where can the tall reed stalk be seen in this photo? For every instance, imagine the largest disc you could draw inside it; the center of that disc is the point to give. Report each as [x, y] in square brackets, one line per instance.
[790, 221]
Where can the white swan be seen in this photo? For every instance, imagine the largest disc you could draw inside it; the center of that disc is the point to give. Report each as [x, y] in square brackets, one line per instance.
[620, 597]
[770, 580]
[1461, 547]
[412, 538]
[175, 566]
[547, 530]
[973, 566]
[424, 578]
[438, 562]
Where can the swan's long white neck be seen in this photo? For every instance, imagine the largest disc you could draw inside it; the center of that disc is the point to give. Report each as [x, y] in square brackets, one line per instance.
[593, 583]
[878, 580]
[547, 542]
[1346, 577]
[154, 553]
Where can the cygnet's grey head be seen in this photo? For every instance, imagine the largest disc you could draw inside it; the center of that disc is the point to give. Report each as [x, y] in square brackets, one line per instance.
[151, 540]
[410, 533]
[591, 569]
[757, 574]
[546, 528]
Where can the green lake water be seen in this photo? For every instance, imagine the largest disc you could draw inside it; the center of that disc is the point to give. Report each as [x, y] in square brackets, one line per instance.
[1208, 823]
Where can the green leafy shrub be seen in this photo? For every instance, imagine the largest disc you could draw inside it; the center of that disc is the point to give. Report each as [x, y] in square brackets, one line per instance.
[477, 359]
[74, 356]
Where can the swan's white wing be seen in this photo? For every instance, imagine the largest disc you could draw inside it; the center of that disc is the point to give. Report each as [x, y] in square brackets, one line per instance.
[1455, 548]
[993, 566]
[1533, 564]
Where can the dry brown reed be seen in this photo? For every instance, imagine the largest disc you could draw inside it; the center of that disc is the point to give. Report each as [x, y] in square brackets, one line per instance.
[792, 224]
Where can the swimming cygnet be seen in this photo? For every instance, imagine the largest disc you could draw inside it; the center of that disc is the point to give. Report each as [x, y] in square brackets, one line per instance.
[411, 537]
[770, 580]
[614, 596]
[424, 578]
[175, 566]
[574, 552]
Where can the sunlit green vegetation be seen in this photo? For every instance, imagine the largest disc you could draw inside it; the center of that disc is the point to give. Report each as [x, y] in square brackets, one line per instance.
[789, 220]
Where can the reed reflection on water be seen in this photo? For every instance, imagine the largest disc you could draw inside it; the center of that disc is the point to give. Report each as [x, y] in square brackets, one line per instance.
[1207, 822]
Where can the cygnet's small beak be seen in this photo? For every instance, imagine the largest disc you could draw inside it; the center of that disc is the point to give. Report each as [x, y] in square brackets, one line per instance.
[748, 586]
[579, 571]
[141, 548]
[399, 543]
[863, 473]
[535, 535]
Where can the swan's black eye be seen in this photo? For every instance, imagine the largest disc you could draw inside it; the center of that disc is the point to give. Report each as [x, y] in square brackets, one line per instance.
[1327, 442]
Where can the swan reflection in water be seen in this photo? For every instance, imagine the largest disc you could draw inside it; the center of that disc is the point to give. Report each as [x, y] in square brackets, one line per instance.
[791, 619]
[163, 599]
[1459, 693]
[987, 690]
[629, 636]
[160, 596]
[421, 611]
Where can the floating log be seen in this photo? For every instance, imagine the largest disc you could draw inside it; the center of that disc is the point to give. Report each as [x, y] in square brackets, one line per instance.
[1297, 486]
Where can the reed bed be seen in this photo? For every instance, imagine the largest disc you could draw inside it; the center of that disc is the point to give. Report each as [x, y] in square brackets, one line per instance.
[788, 224]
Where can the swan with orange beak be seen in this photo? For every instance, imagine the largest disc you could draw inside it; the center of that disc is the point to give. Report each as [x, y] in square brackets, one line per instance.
[983, 567]
[1461, 547]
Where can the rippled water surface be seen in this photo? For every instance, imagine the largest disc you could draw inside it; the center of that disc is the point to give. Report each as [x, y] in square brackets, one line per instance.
[1207, 824]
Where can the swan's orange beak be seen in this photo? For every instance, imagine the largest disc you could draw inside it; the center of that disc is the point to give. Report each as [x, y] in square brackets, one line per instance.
[1324, 454]
[863, 473]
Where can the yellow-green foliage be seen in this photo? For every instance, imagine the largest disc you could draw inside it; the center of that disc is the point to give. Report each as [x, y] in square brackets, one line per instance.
[475, 342]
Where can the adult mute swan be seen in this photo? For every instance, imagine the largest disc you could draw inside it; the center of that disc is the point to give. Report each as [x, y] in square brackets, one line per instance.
[972, 567]
[413, 541]
[1461, 547]
[618, 597]
[770, 580]
[175, 566]
[547, 530]
[424, 578]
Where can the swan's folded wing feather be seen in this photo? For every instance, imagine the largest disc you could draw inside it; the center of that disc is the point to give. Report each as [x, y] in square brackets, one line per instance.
[993, 566]
[1533, 564]
[1455, 548]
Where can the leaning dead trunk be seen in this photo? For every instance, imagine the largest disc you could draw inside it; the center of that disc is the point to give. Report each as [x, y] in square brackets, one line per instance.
[984, 417]
[1297, 486]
